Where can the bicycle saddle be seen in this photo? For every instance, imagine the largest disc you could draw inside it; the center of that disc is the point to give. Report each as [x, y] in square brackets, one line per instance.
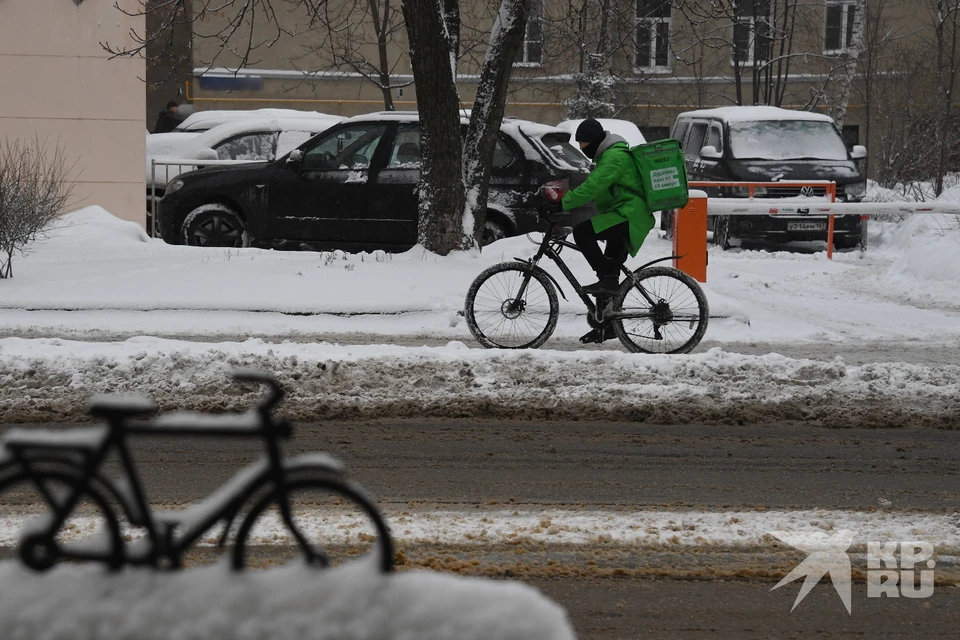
[117, 406]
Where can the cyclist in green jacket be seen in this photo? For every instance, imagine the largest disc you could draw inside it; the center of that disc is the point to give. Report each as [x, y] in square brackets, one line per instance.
[624, 220]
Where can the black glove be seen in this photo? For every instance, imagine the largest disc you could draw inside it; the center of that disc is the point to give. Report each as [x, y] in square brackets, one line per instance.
[549, 208]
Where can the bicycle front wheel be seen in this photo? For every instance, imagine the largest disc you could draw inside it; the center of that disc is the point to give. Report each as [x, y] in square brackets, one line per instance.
[511, 306]
[291, 522]
[665, 311]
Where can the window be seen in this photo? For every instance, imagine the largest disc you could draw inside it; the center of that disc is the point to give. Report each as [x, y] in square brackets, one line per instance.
[752, 32]
[346, 149]
[680, 129]
[841, 20]
[406, 148]
[249, 146]
[531, 51]
[714, 138]
[652, 134]
[851, 135]
[502, 155]
[653, 34]
[695, 142]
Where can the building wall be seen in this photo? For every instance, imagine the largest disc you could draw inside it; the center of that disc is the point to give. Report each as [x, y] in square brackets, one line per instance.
[700, 73]
[60, 86]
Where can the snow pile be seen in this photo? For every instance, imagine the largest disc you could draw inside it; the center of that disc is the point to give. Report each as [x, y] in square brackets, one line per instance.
[348, 602]
[51, 380]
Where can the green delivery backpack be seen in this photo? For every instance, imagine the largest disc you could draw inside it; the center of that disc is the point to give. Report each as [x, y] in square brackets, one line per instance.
[664, 174]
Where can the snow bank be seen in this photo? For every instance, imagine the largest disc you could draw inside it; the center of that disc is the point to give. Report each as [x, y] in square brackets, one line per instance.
[349, 602]
[47, 379]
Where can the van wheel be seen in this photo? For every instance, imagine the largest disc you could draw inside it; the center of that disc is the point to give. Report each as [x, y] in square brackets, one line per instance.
[721, 232]
[214, 225]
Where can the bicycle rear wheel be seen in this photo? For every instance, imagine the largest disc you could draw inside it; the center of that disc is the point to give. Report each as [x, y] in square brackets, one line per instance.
[90, 532]
[671, 318]
[282, 525]
[499, 317]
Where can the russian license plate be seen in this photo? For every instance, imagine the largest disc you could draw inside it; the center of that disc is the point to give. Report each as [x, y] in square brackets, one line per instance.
[806, 226]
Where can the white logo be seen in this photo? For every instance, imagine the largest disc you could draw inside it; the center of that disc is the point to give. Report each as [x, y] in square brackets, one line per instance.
[828, 555]
[806, 192]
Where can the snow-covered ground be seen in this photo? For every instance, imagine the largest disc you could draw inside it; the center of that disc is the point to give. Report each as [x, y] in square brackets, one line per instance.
[98, 276]
[348, 602]
[903, 288]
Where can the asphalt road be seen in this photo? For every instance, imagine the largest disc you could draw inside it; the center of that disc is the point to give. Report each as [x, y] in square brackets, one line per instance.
[528, 465]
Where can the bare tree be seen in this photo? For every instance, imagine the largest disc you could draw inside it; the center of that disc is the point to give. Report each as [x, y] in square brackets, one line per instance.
[455, 169]
[946, 16]
[346, 33]
[35, 191]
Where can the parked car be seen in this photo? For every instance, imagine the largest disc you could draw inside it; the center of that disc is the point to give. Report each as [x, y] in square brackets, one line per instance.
[246, 139]
[354, 187]
[768, 144]
[623, 128]
[200, 121]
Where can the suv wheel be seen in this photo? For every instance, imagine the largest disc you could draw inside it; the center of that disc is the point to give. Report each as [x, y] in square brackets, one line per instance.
[493, 230]
[721, 232]
[214, 225]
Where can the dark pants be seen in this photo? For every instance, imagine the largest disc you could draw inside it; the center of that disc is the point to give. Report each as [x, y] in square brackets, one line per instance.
[609, 261]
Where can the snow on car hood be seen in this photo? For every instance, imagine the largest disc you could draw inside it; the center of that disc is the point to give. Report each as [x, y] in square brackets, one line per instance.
[762, 170]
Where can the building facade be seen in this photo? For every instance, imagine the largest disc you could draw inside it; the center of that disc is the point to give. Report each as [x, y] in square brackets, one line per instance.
[656, 58]
[61, 87]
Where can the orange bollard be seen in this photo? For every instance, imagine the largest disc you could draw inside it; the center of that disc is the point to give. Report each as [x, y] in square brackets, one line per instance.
[690, 237]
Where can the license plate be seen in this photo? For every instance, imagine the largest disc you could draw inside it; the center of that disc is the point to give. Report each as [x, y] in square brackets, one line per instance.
[806, 226]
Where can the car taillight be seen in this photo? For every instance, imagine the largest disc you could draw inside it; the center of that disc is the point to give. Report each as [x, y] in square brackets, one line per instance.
[554, 190]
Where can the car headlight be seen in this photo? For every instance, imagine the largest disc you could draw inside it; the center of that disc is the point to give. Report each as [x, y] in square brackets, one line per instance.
[856, 189]
[173, 187]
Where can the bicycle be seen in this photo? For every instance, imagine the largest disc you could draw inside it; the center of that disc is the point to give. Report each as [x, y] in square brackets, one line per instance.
[65, 469]
[513, 305]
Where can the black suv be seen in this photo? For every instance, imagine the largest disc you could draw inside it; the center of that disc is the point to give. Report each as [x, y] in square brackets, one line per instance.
[353, 187]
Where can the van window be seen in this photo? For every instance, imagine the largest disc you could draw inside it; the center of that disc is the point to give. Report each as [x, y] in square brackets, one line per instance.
[714, 138]
[679, 130]
[695, 142]
[786, 140]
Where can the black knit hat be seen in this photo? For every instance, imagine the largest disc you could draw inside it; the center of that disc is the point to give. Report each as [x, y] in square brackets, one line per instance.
[590, 131]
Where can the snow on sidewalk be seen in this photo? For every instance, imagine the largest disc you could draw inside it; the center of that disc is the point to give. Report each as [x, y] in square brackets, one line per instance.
[51, 379]
[97, 274]
[348, 602]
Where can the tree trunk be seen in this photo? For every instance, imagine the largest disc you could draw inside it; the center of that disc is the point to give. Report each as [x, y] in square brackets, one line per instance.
[454, 176]
[505, 39]
[440, 189]
[850, 59]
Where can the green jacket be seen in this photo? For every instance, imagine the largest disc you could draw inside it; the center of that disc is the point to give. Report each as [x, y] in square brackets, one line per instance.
[617, 189]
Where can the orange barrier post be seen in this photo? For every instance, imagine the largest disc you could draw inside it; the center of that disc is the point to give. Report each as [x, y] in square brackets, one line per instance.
[690, 237]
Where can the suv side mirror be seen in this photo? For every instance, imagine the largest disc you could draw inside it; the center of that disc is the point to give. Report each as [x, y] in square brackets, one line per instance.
[295, 157]
[710, 153]
[859, 152]
[207, 154]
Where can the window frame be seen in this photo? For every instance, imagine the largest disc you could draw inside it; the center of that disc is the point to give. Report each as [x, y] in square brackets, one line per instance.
[334, 133]
[537, 9]
[846, 30]
[750, 20]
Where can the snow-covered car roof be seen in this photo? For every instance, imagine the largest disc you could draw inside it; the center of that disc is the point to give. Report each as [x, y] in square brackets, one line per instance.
[754, 114]
[203, 120]
[217, 134]
[623, 128]
[530, 128]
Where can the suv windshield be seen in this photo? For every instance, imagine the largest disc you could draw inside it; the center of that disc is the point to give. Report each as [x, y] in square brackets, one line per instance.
[786, 140]
[558, 144]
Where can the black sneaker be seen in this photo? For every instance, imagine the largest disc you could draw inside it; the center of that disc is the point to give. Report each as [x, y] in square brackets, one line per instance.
[596, 336]
[607, 285]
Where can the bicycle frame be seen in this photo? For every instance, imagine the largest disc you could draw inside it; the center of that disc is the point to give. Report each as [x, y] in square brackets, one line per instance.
[550, 246]
[78, 464]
